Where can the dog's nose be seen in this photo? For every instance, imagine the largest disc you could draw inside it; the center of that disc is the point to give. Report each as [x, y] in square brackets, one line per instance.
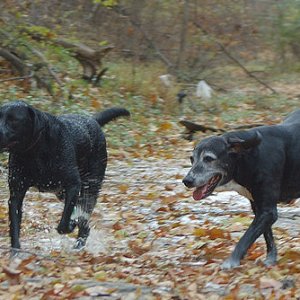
[188, 181]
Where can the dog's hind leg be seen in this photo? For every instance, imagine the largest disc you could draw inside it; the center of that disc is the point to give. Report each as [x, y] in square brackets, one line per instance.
[271, 248]
[92, 176]
[84, 209]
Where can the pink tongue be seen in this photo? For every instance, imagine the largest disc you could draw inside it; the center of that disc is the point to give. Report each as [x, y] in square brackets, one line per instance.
[199, 192]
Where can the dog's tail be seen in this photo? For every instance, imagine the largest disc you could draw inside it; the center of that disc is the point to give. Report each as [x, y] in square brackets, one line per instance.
[110, 114]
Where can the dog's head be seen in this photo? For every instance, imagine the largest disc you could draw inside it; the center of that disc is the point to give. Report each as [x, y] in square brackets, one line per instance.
[20, 126]
[214, 160]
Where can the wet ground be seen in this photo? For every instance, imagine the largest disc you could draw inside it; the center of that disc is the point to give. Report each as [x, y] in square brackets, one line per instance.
[145, 213]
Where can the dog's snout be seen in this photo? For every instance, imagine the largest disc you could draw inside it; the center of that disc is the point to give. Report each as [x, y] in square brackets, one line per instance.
[188, 181]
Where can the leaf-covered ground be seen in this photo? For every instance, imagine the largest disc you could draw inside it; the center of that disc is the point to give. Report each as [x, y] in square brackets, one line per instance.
[149, 240]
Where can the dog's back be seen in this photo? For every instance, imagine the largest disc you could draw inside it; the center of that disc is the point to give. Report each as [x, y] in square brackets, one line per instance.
[85, 131]
[293, 118]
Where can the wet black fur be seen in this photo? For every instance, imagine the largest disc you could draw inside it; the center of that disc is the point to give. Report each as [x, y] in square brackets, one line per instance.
[266, 161]
[62, 154]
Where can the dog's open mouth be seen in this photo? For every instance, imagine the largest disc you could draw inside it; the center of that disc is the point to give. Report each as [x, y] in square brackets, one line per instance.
[205, 190]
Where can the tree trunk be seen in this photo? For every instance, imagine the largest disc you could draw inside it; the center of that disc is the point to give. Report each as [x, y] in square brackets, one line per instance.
[183, 31]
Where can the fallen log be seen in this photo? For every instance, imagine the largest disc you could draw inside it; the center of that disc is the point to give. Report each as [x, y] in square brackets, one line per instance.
[191, 128]
[89, 58]
[15, 61]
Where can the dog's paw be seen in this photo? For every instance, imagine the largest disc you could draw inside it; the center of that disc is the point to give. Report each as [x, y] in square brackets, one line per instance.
[230, 263]
[271, 258]
[14, 252]
[65, 228]
[270, 261]
[80, 244]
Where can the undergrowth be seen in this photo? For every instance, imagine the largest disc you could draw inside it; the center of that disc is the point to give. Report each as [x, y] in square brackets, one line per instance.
[137, 87]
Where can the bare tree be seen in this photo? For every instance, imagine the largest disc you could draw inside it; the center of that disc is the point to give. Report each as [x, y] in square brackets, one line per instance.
[183, 33]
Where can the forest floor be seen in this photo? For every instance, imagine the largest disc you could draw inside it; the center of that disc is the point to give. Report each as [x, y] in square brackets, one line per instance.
[149, 240]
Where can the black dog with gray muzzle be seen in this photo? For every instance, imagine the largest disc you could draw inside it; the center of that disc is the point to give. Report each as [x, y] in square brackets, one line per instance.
[264, 162]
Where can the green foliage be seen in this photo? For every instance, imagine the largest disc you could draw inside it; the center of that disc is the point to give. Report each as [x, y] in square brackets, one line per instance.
[287, 26]
[106, 3]
[41, 30]
[103, 43]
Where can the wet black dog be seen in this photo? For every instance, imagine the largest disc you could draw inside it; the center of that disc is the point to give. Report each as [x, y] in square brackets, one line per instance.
[62, 154]
[264, 162]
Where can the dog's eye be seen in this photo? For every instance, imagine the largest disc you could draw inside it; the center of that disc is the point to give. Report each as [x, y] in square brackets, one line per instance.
[208, 159]
[192, 159]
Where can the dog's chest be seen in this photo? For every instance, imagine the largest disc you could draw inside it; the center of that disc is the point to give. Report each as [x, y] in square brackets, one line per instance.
[44, 175]
[50, 182]
[49, 185]
[234, 186]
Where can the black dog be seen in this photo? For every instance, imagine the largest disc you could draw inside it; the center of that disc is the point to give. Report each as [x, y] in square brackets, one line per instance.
[265, 161]
[62, 154]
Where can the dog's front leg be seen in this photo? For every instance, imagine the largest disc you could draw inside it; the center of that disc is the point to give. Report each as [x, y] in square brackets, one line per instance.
[264, 218]
[271, 247]
[15, 203]
[71, 200]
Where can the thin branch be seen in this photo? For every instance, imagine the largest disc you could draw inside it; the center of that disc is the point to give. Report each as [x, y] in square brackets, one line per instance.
[42, 57]
[15, 61]
[137, 25]
[230, 56]
[151, 43]
[17, 78]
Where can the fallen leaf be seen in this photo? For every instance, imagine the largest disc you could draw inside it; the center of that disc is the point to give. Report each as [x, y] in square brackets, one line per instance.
[123, 188]
[200, 232]
[13, 275]
[100, 276]
[266, 282]
[165, 126]
[137, 248]
[216, 233]
[117, 226]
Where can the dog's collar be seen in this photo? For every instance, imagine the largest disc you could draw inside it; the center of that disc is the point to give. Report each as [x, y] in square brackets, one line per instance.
[35, 142]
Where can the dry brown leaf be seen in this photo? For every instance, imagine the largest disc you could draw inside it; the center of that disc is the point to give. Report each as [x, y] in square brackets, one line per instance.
[165, 126]
[200, 232]
[216, 233]
[138, 248]
[123, 188]
[117, 226]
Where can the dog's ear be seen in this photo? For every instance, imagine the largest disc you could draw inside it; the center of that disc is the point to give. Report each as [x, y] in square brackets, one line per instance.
[249, 140]
[37, 120]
